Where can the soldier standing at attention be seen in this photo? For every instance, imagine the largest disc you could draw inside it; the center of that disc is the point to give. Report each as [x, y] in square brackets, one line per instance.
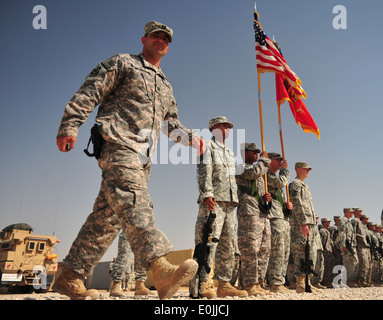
[302, 223]
[334, 232]
[218, 193]
[347, 242]
[279, 222]
[362, 248]
[254, 235]
[328, 248]
[134, 97]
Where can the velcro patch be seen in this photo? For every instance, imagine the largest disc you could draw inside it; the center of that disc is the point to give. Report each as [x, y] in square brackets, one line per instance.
[102, 68]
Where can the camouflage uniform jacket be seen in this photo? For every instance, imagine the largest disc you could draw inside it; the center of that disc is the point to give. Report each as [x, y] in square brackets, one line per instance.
[134, 98]
[274, 183]
[246, 174]
[361, 233]
[326, 241]
[216, 173]
[303, 208]
[346, 233]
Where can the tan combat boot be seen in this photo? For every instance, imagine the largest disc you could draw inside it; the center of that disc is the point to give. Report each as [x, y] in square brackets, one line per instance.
[300, 284]
[71, 284]
[314, 288]
[253, 290]
[168, 278]
[225, 289]
[206, 292]
[279, 289]
[141, 290]
[115, 289]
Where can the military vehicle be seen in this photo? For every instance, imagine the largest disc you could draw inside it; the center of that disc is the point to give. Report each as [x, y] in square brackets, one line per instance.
[27, 260]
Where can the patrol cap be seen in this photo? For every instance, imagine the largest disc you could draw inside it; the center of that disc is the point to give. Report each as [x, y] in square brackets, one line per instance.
[336, 217]
[275, 156]
[325, 220]
[302, 165]
[357, 209]
[363, 216]
[154, 26]
[348, 209]
[250, 146]
[218, 120]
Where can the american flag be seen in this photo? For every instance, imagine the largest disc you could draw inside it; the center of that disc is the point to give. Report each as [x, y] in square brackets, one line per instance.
[269, 59]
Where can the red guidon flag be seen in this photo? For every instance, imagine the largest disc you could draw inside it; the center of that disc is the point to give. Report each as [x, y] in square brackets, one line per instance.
[285, 92]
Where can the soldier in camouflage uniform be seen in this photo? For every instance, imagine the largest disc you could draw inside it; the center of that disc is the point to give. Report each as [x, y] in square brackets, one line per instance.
[328, 248]
[279, 222]
[380, 250]
[302, 223]
[319, 263]
[218, 193]
[121, 266]
[253, 224]
[335, 239]
[362, 248]
[375, 256]
[347, 242]
[134, 97]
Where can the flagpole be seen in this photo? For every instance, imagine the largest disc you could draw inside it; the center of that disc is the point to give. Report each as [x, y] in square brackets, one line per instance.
[282, 146]
[260, 111]
[261, 122]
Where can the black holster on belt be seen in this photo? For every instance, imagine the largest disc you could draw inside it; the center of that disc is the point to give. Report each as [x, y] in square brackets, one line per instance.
[97, 140]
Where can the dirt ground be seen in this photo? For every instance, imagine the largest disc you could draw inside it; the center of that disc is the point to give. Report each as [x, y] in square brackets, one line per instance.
[370, 293]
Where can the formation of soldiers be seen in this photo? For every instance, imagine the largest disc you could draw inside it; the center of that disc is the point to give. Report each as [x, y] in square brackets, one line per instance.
[355, 243]
[276, 226]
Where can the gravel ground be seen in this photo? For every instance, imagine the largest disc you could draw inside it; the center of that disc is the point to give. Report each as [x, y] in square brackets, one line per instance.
[371, 293]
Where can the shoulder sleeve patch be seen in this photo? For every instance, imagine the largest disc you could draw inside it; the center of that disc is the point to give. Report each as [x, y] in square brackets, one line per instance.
[101, 68]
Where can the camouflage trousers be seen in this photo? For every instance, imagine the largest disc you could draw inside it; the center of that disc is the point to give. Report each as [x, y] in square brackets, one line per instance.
[364, 262]
[280, 251]
[123, 202]
[328, 267]
[298, 244]
[121, 267]
[221, 253]
[351, 265]
[254, 242]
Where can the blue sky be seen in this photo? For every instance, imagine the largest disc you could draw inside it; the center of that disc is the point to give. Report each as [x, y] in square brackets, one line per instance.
[211, 65]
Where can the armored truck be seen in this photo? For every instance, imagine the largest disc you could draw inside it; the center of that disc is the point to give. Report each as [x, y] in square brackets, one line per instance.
[27, 261]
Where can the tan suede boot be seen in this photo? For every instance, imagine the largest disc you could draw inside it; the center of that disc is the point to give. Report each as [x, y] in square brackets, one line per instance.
[279, 289]
[115, 289]
[300, 284]
[314, 288]
[71, 284]
[141, 290]
[253, 290]
[168, 278]
[206, 292]
[225, 289]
